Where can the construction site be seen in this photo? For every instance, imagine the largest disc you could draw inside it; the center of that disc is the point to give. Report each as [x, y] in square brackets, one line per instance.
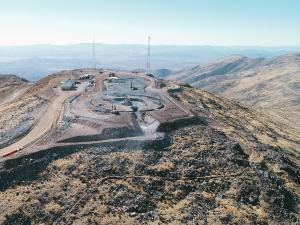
[102, 146]
[93, 106]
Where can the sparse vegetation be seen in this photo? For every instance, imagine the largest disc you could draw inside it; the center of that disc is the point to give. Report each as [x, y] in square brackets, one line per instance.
[233, 166]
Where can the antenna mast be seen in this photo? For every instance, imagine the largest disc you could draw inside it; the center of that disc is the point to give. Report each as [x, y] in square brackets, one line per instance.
[94, 54]
[148, 68]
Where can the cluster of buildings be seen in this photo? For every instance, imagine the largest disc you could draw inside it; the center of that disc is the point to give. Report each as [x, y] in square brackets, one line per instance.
[71, 83]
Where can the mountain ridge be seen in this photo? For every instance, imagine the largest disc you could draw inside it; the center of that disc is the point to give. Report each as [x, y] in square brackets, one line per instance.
[269, 83]
[54, 58]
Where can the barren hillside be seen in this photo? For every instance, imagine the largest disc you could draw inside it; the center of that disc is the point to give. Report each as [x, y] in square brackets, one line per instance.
[22, 104]
[227, 164]
[11, 87]
[273, 84]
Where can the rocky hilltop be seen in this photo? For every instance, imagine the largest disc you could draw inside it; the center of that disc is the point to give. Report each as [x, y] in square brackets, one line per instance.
[22, 103]
[10, 86]
[225, 164]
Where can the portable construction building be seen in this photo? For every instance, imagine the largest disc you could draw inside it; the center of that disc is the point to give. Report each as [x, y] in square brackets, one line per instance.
[68, 85]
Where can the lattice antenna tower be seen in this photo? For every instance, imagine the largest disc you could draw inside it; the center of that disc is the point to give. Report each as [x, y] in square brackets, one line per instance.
[93, 54]
[148, 65]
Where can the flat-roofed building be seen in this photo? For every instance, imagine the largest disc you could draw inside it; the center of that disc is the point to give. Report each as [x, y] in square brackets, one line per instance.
[68, 85]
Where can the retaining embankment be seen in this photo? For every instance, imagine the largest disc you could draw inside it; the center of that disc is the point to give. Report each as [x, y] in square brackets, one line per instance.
[28, 167]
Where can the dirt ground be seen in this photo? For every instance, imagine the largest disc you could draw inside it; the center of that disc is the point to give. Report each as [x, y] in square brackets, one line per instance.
[219, 169]
[68, 114]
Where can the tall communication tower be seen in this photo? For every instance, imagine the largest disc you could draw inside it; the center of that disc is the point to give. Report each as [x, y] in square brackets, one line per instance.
[148, 68]
[94, 54]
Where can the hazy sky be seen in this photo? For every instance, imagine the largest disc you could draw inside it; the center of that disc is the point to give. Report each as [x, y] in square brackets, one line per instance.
[194, 22]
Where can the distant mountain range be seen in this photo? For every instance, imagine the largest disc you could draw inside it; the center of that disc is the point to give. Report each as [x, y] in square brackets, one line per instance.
[270, 83]
[35, 61]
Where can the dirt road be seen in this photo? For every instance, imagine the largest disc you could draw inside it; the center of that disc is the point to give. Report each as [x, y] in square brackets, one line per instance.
[52, 114]
[155, 136]
[45, 123]
[164, 94]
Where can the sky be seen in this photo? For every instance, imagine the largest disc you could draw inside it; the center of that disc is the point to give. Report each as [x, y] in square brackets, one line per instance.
[182, 22]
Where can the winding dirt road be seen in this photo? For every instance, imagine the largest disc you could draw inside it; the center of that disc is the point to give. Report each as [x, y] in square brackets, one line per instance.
[45, 122]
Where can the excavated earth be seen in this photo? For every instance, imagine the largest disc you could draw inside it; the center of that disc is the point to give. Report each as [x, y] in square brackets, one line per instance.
[226, 165]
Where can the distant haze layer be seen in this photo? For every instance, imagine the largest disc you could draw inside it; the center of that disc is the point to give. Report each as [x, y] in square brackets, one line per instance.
[35, 61]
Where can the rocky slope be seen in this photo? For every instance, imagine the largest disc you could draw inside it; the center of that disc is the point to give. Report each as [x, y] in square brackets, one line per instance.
[21, 104]
[10, 84]
[230, 165]
[270, 83]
